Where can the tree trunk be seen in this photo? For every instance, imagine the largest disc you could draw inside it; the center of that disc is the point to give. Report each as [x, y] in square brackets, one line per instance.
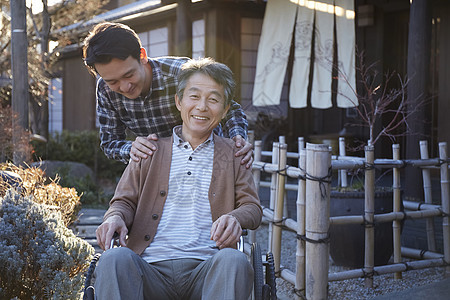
[419, 42]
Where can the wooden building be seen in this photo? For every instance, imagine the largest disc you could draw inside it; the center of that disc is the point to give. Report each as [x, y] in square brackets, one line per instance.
[229, 31]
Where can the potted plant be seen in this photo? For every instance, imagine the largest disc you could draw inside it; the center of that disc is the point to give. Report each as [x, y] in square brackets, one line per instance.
[377, 99]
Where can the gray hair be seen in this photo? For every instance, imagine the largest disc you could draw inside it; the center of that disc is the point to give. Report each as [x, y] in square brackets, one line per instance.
[219, 72]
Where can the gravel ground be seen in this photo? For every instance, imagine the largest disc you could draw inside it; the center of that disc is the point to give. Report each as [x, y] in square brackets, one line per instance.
[351, 288]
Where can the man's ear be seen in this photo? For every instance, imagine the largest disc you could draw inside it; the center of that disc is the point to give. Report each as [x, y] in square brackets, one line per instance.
[178, 102]
[143, 56]
[226, 111]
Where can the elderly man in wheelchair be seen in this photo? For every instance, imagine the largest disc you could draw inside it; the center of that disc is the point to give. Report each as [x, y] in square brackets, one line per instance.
[180, 213]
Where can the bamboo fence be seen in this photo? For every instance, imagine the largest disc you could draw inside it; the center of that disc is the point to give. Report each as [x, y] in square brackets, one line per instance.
[313, 172]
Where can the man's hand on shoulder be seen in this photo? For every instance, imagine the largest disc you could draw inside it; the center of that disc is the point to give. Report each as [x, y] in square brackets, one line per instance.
[106, 231]
[246, 150]
[226, 231]
[143, 147]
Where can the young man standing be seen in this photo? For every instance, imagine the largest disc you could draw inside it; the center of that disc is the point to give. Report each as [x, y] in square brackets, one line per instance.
[137, 93]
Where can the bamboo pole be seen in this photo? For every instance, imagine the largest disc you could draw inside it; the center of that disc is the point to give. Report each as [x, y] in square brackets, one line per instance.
[396, 226]
[257, 179]
[380, 270]
[369, 210]
[301, 212]
[354, 163]
[445, 205]
[342, 152]
[318, 164]
[273, 190]
[420, 254]
[279, 204]
[387, 217]
[282, 140]
[427, 195]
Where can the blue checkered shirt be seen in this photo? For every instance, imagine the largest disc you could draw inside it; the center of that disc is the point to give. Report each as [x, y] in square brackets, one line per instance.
[155, 113]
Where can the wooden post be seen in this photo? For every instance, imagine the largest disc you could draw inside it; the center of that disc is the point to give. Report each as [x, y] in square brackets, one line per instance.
[257, 179]
[343, 172]
[369, 210]
[318, 165]
[183, 34]
[273, 191]
[301, 212]
[278, 213]
[428, 196]
[445, 204]
[396, 225]
[19, 68]
[418, 66]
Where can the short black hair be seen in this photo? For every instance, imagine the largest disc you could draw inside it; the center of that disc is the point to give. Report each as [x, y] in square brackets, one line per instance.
[110, 40]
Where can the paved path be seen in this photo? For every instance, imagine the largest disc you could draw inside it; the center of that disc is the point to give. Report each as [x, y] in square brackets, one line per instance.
[88, 221]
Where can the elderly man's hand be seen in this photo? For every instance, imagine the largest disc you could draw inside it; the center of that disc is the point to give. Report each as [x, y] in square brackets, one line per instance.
[142, 147]
[226, 231]
[106, 231]
[246, 150]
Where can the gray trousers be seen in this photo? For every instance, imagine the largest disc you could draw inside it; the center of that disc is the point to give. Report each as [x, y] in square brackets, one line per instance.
[122, 274]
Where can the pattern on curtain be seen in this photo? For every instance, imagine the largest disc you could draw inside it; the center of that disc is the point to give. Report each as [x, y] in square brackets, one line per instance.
[314, 20]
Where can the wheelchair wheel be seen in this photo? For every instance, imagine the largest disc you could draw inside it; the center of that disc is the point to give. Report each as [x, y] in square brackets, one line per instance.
[258, 271]
[88, 287]
[270, 276]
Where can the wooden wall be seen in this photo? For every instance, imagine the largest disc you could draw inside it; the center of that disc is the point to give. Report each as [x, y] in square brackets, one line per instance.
[78, 96]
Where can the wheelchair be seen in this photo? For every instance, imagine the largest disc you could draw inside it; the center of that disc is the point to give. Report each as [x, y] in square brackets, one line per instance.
[264, 285]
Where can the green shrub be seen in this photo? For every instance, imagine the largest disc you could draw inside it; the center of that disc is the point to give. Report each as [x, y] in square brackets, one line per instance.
[80, 146]
[91, 194]
[40, 258]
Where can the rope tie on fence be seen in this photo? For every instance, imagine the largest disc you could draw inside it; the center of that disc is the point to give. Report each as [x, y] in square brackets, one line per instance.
[368, 274]
[319, 241]
[279, 222]
[368, 166]
[367, 223]
[282, 170]
[422, 253]
[300, 293]
[302, 177]
[443, 213]
[443, 161]
[407, 266]
[420, 205]
[263, 168]
[322, 181]
[278, 273]
[405, 215]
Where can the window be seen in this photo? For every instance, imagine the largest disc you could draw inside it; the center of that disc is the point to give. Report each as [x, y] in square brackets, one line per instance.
[155, 41]
[198, 38]
[55, 106]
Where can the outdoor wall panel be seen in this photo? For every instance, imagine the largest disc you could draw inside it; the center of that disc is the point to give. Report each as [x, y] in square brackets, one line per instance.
[78, 96]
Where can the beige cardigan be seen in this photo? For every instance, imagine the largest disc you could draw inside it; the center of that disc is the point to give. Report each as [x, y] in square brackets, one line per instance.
[142, 190]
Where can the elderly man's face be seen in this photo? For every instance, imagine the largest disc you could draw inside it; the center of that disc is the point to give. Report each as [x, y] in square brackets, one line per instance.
[202, 106]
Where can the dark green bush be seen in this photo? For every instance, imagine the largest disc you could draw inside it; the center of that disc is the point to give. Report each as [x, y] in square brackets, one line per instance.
[40, 258]
[91, 194]
[80, 146]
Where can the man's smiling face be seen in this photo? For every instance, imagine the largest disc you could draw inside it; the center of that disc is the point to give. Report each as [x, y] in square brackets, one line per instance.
[128, 77]
[202, 106]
